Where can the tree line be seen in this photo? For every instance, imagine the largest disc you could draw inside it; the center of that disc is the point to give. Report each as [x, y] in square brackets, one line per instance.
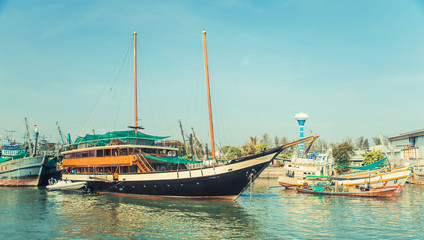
[342, 152]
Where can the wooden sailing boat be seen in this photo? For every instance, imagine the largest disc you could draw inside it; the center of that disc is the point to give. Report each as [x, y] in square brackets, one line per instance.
[133, 163]
[351, 192]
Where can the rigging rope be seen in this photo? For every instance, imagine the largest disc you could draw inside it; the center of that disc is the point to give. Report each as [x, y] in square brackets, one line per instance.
[108, 87]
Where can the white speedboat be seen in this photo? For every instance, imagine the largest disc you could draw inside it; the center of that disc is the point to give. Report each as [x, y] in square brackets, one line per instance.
[65, 185]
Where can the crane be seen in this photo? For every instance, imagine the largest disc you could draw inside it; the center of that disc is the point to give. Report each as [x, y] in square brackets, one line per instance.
[28, 137]
[59, 134]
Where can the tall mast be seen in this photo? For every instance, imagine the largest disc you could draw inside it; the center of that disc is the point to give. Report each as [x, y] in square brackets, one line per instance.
[135, 82]
[209, 95]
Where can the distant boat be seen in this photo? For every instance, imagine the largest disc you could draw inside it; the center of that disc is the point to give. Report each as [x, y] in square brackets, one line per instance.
[22, 168]
[379, 178]
[393, 178]
[133, 163]
[312, 171]
[65, 185]
[352, 192]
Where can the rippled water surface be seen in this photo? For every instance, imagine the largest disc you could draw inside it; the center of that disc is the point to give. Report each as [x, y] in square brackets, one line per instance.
[273, 213]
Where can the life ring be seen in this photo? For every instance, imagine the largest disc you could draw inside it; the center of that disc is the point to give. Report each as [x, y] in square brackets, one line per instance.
[52, 181]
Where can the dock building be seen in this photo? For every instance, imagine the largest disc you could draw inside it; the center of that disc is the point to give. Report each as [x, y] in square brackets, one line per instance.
[408, 149]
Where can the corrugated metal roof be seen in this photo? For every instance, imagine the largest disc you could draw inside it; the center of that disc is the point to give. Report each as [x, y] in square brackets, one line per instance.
[416, 133]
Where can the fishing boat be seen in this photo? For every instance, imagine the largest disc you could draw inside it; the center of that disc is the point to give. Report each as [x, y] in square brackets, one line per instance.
[312, 171]
[392, 178]
[347, 191]
[373, 176]
[132, 163]
[20, 167]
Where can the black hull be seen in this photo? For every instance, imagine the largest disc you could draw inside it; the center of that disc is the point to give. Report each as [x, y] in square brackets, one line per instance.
[222, 186]
[223, 182]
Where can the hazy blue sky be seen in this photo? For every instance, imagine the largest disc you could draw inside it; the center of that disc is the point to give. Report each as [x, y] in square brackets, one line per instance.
[350, 65]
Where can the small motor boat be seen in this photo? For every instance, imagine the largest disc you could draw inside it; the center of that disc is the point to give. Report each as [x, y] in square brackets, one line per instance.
[65, 185]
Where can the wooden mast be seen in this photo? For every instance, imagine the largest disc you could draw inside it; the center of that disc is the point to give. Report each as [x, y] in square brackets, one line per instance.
[209, 95]
[135, 82]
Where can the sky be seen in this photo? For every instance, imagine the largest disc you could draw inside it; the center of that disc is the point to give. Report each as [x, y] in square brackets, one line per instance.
[352, 66]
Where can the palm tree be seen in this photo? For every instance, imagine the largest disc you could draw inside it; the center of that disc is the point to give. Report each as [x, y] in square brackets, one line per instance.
[250, 147]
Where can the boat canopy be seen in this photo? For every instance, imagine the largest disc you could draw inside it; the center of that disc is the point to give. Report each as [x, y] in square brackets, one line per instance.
[366, 167]
[119, 137]
[177, 160]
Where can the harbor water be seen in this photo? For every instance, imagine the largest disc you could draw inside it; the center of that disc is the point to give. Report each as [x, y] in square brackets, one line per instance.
[266, 212]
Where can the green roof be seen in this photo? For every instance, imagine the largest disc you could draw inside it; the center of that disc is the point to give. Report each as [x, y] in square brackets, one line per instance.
[125, 136]
[366, 167]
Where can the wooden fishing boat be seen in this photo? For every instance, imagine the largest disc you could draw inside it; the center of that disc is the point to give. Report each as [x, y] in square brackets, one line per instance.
[352, 192]
[394, 178]
[380, 178]
[293, 183]
[131, 163]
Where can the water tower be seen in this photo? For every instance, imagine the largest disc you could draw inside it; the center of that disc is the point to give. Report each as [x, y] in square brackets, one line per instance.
[301, 119]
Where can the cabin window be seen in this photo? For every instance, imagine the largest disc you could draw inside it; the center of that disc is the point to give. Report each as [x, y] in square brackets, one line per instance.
[107, 152]
[67, 156]
[73, 155]
[114, 152]
[123, 151]
[79, 155]
[149, 150]
[84, 154]
[133, 169]
[91, 153]
[99, 153]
